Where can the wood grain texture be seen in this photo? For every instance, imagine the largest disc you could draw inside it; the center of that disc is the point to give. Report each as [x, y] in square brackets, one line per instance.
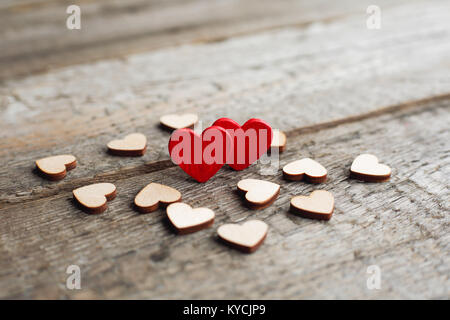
[337, 89]
[400, 225]
[34, 36]
[326, 72]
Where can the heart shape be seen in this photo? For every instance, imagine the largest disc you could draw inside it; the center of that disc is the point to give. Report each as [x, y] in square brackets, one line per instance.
[178, 121]
[318, 205]
[56, 167]
[246, 237]
[278, 140]
[93, 197]
[259, 194]
[188, 220]
[250, 141]
[149, 198]
[366, 167]
[313, 171]
[132, 145]
[200, 156]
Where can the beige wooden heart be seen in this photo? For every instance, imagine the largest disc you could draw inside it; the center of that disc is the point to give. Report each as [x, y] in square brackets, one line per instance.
[313, 171]
[278, 140]
[318, 205]
[56, 167]
[134, 144]
[246, 237]
[259, 193]
[149, 198]
[367, 168]
[93, 197]
[186, 219]
[178, 121]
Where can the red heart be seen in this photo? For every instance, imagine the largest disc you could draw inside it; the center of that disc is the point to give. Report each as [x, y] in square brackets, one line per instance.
[246, 140]
[200, 156]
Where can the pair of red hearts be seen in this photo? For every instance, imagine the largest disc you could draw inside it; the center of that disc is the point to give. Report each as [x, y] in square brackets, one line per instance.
[201, 156]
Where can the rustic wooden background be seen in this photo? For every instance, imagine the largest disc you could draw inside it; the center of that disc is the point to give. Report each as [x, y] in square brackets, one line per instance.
[310, 68]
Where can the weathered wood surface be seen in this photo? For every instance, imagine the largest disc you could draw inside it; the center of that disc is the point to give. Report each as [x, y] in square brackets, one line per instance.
[311, 76]
[401, 226]
[35, 38]
[338, 90]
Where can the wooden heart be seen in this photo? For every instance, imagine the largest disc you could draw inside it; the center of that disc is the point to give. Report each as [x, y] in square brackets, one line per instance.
[154, 194]
[188, 220]
[318, 205]
[132, 145]
[259, 194]
[306, 168]
[200, 156]
[246, 237]
[56, 167]
[179, 121]
[278, 140]
[93, 198]
[366, 167]
[250, 141]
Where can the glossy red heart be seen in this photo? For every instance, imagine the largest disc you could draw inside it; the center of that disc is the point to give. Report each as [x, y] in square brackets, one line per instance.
[200, 156]
[250, 141]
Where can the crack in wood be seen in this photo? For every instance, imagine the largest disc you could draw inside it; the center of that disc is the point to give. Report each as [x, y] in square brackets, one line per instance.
[400, 110]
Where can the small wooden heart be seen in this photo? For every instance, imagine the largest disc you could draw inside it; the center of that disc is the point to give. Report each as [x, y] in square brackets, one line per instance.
[150, 197]
[93, 198]
[188, 220]
[246, 237]
[318, 205]
[259, 194]
[178, 121]
[278, 140]
[306, 168]
[366, 167]
[56, 167]
[133, 145]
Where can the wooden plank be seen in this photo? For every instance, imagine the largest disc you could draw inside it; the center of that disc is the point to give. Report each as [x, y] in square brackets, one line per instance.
[401, 226]
[311, 76]
[34, 36]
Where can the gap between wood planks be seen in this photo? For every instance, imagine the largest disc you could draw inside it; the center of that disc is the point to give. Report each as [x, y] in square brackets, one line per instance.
[403, 108]
[26, 59]
[398, 225]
